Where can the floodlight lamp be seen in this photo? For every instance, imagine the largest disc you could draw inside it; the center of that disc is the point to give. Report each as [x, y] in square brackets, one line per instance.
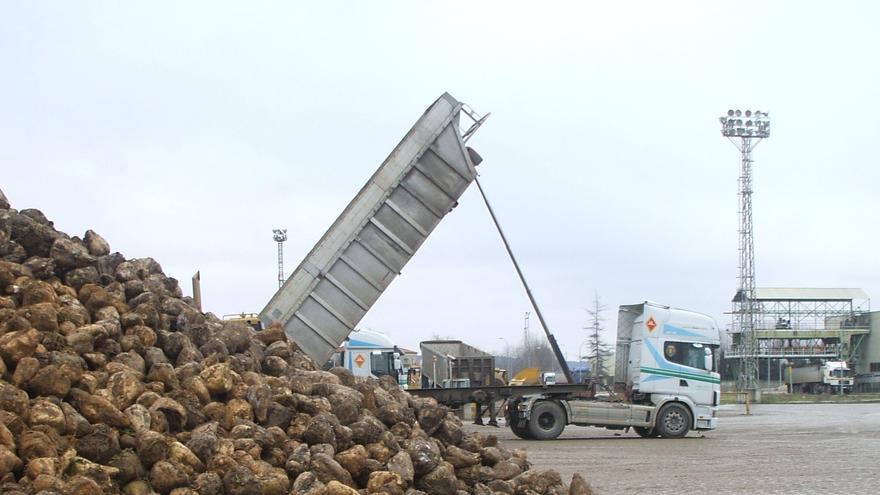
[739, 122]
[748, 113]
[723, 120]
[748, 123]
[730, 113]
[738, 113]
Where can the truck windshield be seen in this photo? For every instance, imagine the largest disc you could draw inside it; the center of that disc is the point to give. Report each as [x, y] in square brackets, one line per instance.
[839, 373]
[380, 363]
[698, 356]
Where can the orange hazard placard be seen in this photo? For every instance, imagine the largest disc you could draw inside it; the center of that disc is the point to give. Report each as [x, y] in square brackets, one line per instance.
[359, 360]
[651, 324]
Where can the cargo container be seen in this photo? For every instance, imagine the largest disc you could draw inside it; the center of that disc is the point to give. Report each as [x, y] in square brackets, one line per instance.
[451, 363]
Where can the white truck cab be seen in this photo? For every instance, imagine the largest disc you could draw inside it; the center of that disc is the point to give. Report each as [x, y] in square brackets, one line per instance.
[838, 376]
[671, 356]
[369, 353]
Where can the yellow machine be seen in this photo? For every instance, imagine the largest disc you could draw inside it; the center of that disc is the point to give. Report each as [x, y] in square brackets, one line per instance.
[250, 319]
[527, 376]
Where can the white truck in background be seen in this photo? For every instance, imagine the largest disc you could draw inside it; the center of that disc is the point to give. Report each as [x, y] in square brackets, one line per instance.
[369, 353]
[548, 378]
[828, 377]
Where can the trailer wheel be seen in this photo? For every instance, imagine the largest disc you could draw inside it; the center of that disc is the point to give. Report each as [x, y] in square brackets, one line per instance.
[674, 421]
[645, 432]
[546, 421]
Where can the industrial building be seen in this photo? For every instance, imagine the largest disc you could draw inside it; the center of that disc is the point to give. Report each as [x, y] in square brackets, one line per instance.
[796, 326]
[868, 367]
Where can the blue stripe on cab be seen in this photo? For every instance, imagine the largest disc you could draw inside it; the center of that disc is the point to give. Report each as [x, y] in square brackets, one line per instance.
[361, 343]
[681, 332]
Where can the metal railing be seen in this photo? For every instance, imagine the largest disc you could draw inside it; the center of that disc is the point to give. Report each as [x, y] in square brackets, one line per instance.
[788, 352]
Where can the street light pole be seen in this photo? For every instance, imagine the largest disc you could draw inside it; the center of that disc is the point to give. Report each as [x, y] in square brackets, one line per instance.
[509, 363]
[782, 362]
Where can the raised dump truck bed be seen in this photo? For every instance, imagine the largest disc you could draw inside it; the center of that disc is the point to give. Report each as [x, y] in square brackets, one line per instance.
[377, 233]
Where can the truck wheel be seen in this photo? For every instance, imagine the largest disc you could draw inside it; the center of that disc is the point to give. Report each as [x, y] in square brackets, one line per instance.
[674, 421]
[547, 421]
[646, 432]
[520, 432]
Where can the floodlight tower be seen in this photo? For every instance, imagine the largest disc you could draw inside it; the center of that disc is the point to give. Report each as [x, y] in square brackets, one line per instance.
[280, 235]
[745, 130]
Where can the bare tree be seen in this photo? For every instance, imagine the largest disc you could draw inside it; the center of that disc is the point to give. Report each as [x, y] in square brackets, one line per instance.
[597, 350]
[532, 352]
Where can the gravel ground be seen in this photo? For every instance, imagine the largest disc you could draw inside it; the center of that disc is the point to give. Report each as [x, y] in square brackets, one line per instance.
[786, 448]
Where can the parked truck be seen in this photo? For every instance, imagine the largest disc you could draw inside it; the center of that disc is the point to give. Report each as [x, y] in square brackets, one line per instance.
[548, 378]
[369, 353]
[827, 377]
[454, 364]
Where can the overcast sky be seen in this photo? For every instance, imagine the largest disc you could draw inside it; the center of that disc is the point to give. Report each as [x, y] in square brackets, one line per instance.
[187, 131]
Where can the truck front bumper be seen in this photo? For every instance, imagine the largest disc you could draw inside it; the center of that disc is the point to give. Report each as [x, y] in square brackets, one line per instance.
[706, 424]
[705, 418]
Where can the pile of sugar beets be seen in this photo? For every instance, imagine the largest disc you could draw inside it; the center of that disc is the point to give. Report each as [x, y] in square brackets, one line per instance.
[113, 382]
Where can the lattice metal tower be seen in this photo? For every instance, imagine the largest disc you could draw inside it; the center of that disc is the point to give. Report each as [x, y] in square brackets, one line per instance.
[745, 130]
[280, 235]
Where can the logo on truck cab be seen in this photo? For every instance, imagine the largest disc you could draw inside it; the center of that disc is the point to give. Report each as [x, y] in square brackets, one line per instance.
[651, 324]
[359, 360]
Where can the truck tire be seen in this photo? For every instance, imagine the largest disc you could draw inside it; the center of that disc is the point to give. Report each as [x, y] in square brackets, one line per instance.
[546, 421]
[520, 432]
[674, 421]
[513, 421]
[645, 432]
